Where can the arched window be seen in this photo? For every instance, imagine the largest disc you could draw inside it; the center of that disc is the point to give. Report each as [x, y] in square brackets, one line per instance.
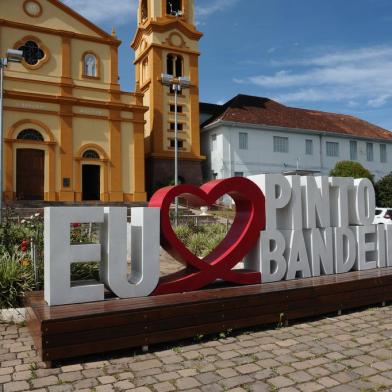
[30, 134]
[90, 154]
[90, 65]
[170, 64]
[175, 65]
[174, 7]
[144, 10]
[179, 66]
[32, 53]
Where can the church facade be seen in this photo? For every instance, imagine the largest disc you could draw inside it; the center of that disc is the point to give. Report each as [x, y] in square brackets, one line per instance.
[70, 133]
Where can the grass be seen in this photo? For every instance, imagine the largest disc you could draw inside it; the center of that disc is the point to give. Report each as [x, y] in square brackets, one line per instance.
[201, 240]
[16, 279]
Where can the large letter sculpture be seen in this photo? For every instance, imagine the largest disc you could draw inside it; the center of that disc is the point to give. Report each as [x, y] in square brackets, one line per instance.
[112, 253]
[248, 222]
[60, 254]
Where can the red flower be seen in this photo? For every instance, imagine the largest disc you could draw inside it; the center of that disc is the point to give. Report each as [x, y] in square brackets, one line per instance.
[76, 225]
[24, 246]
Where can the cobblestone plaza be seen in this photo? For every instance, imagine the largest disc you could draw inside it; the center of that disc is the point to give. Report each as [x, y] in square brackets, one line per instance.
[347, 353]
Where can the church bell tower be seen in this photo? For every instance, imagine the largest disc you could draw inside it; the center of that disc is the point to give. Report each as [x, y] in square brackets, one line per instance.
[167, 42]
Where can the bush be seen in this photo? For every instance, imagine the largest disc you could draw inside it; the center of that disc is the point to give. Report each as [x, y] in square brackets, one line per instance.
[201, 240]
[351, 169]
[17, 270]
[85, 271]
[16, 279]
[13, 232]
[384, 191]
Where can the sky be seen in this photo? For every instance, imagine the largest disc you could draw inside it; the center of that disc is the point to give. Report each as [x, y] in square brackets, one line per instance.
[330, 55]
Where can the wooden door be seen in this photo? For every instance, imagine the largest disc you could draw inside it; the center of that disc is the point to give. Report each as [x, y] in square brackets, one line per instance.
[30, 174]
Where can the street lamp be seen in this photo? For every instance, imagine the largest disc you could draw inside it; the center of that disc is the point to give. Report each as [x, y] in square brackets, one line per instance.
[12, 56]
[176, 85]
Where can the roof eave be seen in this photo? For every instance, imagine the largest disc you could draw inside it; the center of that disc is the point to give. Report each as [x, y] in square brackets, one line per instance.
[220, 122]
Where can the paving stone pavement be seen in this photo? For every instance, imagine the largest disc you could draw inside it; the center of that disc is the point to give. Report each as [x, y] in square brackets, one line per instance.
[352, 352]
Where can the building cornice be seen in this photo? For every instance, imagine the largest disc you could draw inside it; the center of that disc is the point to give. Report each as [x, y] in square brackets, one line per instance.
[73, 86]
[107, 40]
[175, 49]
[263, 127]
[73, 101]
[182, 155]
[163, 26]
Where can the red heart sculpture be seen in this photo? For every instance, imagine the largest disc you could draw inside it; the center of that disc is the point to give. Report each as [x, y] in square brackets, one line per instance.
[245, 231]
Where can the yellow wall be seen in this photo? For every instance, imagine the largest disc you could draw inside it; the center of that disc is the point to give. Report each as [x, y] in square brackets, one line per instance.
[73, 110]
[52, 17]
[103, 54]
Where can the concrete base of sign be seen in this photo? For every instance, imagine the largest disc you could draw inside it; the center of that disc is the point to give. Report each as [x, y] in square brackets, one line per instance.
[61, 332]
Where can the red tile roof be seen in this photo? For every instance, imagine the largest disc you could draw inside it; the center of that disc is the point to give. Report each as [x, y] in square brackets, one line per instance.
[263, 111]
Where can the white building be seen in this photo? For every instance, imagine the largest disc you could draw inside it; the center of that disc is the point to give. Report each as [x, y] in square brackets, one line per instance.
[252, 135]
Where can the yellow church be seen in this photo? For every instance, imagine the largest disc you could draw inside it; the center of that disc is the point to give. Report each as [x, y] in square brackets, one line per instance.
[70, 133]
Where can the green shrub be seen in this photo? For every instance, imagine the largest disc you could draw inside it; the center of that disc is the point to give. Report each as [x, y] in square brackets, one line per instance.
[384, 191]
[201, 240]
[85, 271]
[13, 232]
[16, 279]
[351, 169]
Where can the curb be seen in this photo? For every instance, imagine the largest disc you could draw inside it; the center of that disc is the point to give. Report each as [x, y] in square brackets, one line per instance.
[14, 315]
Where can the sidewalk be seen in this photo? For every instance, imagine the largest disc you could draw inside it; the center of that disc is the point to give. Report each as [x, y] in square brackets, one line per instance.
[352, 352]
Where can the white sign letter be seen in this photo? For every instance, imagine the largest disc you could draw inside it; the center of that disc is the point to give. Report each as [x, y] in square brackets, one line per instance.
[277, 193]
[345, 250]
[320, 248]
[315, 200]
[366, 247]
[298, 261]
[144, 251]
[59, 254]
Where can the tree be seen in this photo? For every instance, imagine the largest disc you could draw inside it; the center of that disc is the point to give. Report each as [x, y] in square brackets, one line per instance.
[384, 191]
[351, 169]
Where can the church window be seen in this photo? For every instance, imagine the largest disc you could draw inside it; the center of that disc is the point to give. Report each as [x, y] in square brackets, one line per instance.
[90, 65]
[180, 108]
[180, 126]
[180, 143]
[90, 154]
[32, 53]
[145, 73]
[179, 66]
[170, 64]
[175, 65]
[30, 134]
[174, 7]
[144, 10]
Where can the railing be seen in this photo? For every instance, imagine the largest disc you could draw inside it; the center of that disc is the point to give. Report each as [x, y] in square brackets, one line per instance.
[215, 214]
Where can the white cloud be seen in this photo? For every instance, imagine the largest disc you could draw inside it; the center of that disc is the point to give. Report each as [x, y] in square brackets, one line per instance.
[121, 11]
[361, 76]
[206, 9]
[379, 101]
[368, 54]
[114, 11]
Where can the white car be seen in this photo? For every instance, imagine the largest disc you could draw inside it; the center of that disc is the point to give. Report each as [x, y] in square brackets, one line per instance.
[383, 216]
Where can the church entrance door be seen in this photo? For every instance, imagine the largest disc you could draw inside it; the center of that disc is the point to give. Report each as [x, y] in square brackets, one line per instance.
[91, 179]
[30, 174]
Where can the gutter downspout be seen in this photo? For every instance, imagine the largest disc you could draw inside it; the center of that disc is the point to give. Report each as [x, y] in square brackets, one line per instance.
[321, 154]
[231, 152]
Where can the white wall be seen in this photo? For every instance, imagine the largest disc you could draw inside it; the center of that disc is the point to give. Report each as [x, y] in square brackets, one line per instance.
[227, 158]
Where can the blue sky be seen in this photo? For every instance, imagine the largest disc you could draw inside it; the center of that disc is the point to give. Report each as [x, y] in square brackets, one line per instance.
[331, 55]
